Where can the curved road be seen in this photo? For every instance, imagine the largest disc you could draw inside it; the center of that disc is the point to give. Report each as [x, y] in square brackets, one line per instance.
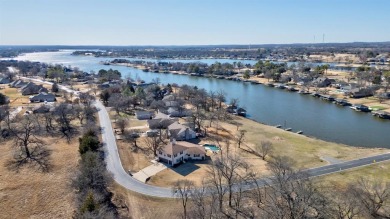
[114, 164]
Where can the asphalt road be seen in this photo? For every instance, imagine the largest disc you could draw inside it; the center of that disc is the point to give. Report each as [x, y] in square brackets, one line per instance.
[115, 167]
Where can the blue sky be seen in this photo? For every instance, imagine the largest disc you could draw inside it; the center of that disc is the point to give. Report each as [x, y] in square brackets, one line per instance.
[195, 22]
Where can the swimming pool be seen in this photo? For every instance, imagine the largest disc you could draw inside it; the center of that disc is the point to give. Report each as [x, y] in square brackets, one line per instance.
[211, 147]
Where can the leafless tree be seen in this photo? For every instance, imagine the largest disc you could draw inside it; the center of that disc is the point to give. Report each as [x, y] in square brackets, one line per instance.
[116, 101]
[29, 148]
[264, 149]
[78, 111]
[183, 190]
[122, 123]
[64, 115]
[374, 197]
[291, 194]
[225, 172]
[345, 205]
[4, 113]
[234, 102]
[221, 97]
[240, 137]
[86, 99]
[153, 144]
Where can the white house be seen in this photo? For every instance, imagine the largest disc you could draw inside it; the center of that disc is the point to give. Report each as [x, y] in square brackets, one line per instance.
[181, 132]
[176, 152]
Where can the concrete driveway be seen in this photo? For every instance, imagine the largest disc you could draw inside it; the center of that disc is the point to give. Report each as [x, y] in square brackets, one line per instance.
[149, 171]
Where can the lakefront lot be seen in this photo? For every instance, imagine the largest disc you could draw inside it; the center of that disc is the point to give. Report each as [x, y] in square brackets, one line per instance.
[305, 151]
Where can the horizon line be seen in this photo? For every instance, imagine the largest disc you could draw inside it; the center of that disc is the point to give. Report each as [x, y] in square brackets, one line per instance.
[198, 45]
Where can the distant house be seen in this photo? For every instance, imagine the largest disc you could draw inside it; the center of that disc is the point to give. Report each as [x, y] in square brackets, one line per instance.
[384, 95]
[322, 82]
[43, 97]
[160, 121]
[104, 85]
[169, 97]
[171, 103]
[144, 115]
[176, 112]
[5, 81]
[361, 92]
[17, 84]
[41, 109]
[32, 88]
[181, 132]
[176, 152]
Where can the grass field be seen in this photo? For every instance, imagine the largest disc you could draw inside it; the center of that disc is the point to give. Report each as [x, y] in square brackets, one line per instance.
[32, 194]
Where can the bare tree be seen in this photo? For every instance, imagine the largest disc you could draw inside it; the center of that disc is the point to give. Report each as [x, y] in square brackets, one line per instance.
[225, 172]
[264, 149]
[4, 113]
[183, 190]
[345, 205]
[64, 115]
[29, 148]
[240, 137]
[373, 197]
[291, 194]
[122, 123]
[153, 143]
[221, 97]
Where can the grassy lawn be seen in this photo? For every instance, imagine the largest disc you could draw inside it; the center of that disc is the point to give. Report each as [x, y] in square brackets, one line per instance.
[304, 150]
[33, 194]
[375, 108]
[375, 172]
[141, 206]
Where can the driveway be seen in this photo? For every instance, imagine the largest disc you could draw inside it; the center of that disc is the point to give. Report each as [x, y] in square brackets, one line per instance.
[149, 171]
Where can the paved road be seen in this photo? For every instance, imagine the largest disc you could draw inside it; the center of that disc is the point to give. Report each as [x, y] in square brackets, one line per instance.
[114, 164]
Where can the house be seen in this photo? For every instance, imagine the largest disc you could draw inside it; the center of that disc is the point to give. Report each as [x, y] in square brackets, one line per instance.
[361, 92]
[143, 115]
[171, 103]
[181, 132]
[32, 88]
[176, 152]
[161, 120]
[43, 97]
[384, 95]
[5, 81]
[44, 108]
[18, 84]
[176, 112]
[169, 97]
[322, 82]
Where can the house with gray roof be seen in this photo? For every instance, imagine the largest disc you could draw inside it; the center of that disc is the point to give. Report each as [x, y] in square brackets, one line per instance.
[32, 88]
[160, 121]
[18, 84]
[144, 115]
[181, 132]
[43, 97]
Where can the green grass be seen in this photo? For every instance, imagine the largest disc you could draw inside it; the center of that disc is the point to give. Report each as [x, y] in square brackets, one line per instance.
[375, 108]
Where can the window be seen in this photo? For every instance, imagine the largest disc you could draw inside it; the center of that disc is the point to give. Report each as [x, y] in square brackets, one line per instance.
[169, 155]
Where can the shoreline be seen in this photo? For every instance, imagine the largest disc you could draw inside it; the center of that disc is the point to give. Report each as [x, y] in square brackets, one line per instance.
[331, 91]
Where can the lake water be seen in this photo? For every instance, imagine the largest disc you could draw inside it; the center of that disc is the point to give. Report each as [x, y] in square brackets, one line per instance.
[268, 105]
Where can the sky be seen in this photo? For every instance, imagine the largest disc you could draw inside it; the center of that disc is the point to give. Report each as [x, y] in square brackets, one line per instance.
[195, 22]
